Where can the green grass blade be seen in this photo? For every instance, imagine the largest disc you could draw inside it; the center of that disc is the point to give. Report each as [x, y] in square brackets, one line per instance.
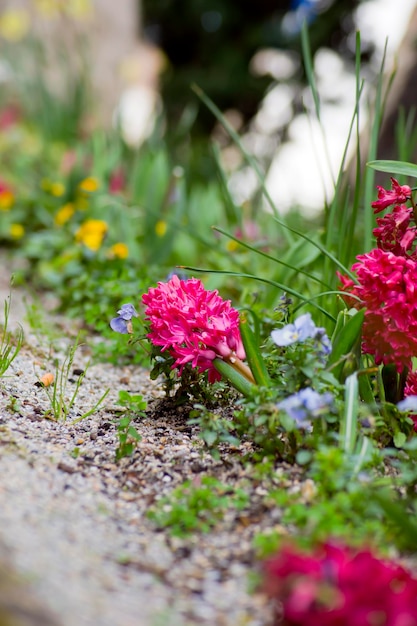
[320, 247]
[265, 255]
[344, 342]
[369, 183]
[248, 157]
[365, 452]
[260, 279]
[348, 424]
[308, 66]
[253, 355]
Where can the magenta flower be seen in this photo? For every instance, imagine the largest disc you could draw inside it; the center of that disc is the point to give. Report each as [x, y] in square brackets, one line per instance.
[394, 232]
[398, 195]
[339, 586]
[193, 324]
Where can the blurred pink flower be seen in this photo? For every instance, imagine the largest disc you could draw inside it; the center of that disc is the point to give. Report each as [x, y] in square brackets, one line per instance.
[10, 115]
[339, 586]
[398, 195]
[195, 325]
[117, 181]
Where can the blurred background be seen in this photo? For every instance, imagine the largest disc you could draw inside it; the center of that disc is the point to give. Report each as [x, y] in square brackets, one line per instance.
[133, 64]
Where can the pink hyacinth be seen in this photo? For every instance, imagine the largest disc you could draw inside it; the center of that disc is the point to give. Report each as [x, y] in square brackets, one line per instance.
[388, 289]
[397, 195]
[394, 232]
[195, 325]
[339, 586]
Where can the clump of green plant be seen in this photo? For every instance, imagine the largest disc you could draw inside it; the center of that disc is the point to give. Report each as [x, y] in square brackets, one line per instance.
[10, 345]
[333, 500]
[128, 436]
[56, 389]
[197, 506]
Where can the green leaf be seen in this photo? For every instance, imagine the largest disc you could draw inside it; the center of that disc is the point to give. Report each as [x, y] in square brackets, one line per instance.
[399, 439]
[395, 167]
[253, 354]
[344, 342]
[399, 515]
[348, 424]
[303, 457]
[237, 380]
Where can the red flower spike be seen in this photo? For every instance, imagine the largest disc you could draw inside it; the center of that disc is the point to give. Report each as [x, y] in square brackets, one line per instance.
[398, 195]
[388, 289]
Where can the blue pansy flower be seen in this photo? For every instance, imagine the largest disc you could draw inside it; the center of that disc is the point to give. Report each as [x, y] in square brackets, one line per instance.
[305, 405]
[123, 323]
[302, 329]
[408, 404]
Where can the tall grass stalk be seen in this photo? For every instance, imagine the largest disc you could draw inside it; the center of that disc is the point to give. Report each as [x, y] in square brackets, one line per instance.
[10, 345]
[62, 402]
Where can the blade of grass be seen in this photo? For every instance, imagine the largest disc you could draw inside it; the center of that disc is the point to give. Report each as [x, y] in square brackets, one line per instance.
[377, 113]
[320, 247]
[253, 355]
[260, 279]
[348, 424]
[244, 244]
[248, 157]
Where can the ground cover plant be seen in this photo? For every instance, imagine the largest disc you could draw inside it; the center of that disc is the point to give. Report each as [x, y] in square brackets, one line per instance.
[287, 344]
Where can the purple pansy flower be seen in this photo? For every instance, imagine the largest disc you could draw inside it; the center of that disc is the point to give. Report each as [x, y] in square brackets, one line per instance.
[408, 404]
[303, 328]
[305, 405]
[123, 323]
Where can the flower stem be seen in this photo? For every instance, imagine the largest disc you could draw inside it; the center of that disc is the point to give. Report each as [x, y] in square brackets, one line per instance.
[240, 367]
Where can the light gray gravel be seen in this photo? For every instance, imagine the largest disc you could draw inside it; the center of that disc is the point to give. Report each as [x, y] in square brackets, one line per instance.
[76, 528]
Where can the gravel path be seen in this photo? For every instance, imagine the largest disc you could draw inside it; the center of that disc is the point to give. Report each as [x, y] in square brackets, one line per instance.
[74, 521]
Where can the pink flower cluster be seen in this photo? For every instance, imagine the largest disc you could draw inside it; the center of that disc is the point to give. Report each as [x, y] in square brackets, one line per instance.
[338, 586]
[387, 278]
[195, 325]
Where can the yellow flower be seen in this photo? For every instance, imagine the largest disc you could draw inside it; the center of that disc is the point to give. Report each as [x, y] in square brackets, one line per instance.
[57, 189]
[119, 251]
[88, 185]
[14, 24]
[232, 246]
[91, 233]
[6, 199]
[161, 228]
[64, 214]
[54, 188]
[16, 231]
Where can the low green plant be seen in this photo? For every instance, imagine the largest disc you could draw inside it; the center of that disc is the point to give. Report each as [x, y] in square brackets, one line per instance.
[10, 344]
[62, 402]
[197, 506]
[128, 436]
[333, 500]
